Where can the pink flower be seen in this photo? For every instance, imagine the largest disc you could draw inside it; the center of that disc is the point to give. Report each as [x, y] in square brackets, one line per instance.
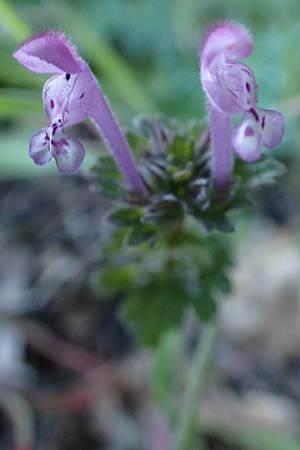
[70, 96]
[230, 88]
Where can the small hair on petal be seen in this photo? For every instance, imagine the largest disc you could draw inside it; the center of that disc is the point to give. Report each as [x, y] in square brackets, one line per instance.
[49, 52]
[228, 38]
[70, 96]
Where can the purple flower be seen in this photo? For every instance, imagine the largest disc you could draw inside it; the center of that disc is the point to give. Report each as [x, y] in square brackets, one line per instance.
[70, 96]
[230, 88]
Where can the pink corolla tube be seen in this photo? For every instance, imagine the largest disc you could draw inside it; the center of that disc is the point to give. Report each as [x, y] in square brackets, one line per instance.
[230, 89]
[70, 96]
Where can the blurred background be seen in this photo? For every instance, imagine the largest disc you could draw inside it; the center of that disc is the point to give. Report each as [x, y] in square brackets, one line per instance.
[71, 375]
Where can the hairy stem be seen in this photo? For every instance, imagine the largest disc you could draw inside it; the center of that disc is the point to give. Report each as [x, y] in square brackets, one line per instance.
[116, 141]
[220, 129]
[196, 380]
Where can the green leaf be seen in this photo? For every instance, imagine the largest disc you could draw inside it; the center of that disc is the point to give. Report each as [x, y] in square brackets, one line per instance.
[141, 233]
[137, 143]
[126, 216]
[115, 280]
[181, 149]
[205, 306]
[165, 208]
[154, 309]
[260, 173]
[108, 179]
[223, 283]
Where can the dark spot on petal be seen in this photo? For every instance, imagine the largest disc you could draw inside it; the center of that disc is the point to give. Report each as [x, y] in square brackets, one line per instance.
[254, 113]
[53, 143]
[263, 122]
[81, 95]
[249, 131]
[247, 71]
[68, 76]
[54, 128]
[51, 103]
[248, 87]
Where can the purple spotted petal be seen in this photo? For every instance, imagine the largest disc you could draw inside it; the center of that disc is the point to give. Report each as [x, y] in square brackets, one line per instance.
[247, 140]
[39, 147]
[73, 98]
[68, 153]
[70, 100]
[272, 124]
[241, 84]
[230, 86]
[229, 39]
[49, 52]
[56, 93]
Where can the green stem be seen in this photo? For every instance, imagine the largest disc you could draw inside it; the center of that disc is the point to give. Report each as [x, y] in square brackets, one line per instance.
[196, 380]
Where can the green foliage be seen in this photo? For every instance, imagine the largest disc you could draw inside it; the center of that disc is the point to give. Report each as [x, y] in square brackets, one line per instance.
[175, 165]
[185, 268]
[174, 255]
[110, 181]
[146, 61]
[117, 279]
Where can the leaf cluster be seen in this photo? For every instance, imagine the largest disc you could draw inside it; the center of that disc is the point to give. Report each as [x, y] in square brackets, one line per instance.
[159, 283]
[176, 254]
[175, 164]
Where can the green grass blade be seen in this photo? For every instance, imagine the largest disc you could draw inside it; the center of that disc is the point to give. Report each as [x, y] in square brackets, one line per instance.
[13, 74]
[17, 103]
[11, 20]
[107, 61]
